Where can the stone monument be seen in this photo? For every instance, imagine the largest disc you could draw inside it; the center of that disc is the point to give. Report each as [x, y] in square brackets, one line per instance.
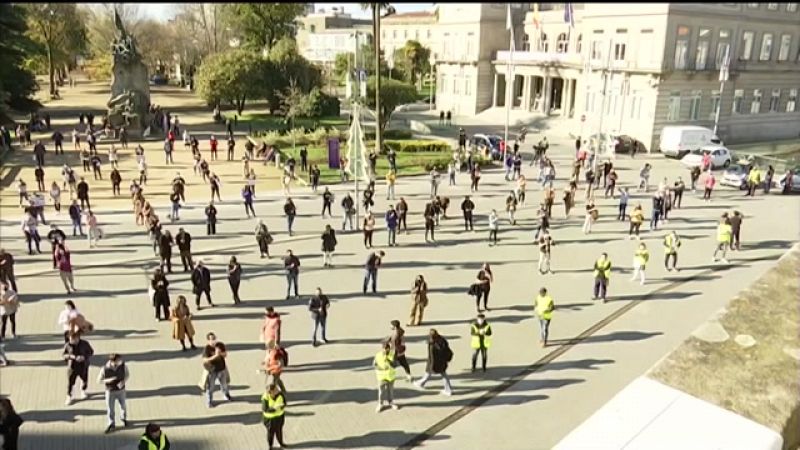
[129, 104]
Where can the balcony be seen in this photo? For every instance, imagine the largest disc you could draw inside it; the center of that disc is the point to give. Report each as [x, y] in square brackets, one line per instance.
[549, 58]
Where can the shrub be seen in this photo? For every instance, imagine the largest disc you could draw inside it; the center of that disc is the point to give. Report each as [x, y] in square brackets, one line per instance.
[414, 146]
[439, 163]
[322, 104]
[388, 134]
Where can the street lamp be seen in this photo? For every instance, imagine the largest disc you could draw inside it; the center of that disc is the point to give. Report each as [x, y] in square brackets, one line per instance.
[376, 17]
[432, 80]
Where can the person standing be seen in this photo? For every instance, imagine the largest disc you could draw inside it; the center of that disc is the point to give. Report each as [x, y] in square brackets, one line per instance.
[38, 153]
[640, 258]
[247, 196]
[65, 268]
[160, 291]
[114, 376]
[678, 189]
[402, 214]
[58, 141]
[234, 279]
[327, 201]
[271, 328]
[201, 284]
[384, 363]
[9, 304]
[211, 219]
[349, 211]
[637, 217]
[213, 143]
[273, 404]
[494, 225]
[369, 229]
[419, 299]
[78, 354]
[545, 242]
[96, 164]
[39, 174]
[263, 238]
[475, 177]
[184, 242]
[391, 225]
[55, 194]
[291, 265]
[591, 216]
[544, 310]
[214, 182]
[736, 228]
[768, 179]
[371, 270]
[83, 194]
[214, 355]
[291, 211]
[484, 282]
[7, 269]
[304, 159]
[724, 239]
[182, 327]
[391, 179]
[318, 307]
[658, 207]
[753, 181]
[430, 222]
[10, 422]
[328, 246]
[275, 360]
[116, 181]
[467, 206]
[30, 227]
[709, 186]
[439, 355]
[153, 438]
[511, 208]
[671, 244]
[231, 147]
[165, 243]
[481, 340]
[602, 274]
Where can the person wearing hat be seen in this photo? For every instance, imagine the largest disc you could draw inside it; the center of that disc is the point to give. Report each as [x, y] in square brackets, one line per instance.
[273, 404]
[153, 438]
[481, 333]
[384, 371]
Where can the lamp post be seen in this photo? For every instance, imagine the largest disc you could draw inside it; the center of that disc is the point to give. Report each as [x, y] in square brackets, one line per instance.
[376, 17]
[432, 79]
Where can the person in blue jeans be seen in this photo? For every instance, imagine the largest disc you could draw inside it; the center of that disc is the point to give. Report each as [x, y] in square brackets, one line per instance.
[214, 355]
[75, 216]
[292, 266]
[318, 306]
[291, 211]
[371, 270]
[391, 225]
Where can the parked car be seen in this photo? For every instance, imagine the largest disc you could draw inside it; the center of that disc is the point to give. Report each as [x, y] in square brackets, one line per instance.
[677, 141]
[490, 142]
[158, 80]
[720, 157]
[736, 176]
[795, 181]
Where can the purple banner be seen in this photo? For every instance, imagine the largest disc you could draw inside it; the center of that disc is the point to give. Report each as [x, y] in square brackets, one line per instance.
[333, 153]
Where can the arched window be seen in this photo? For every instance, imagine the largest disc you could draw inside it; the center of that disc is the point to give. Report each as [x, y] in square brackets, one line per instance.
[578, 45]
[562, 43]
[543, 43]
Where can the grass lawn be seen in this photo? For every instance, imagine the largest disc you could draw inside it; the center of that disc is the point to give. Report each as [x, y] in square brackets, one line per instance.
[268, 122]
[407, 163]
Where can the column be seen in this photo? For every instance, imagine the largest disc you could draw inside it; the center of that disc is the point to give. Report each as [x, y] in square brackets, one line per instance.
[565, 97]
[526, 92]
[494, 91]
[546, 97]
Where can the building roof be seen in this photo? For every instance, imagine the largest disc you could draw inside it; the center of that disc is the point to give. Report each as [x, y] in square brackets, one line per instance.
[413, 15]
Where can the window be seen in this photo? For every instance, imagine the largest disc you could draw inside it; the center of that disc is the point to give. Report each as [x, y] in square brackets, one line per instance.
[755, 105]
[646, 54]
[446, 46]
[526, 42]
[562, 43]
[674, 109]
[681, 54]
[786, 43]
[775, 100]
[405, 34]
[701, 54]
[766, 47]
[738, 98]
[470, 42]
[468, 85]
[772, 6]
[723, 46]
[543, 44]
[394, 34]
[597, 50]
[428, 34]
[694, 105]
[747, 45]
[579, 44]
[753, 5]
[791, 103]
[619, 51]
[715, 104]
[791, 7]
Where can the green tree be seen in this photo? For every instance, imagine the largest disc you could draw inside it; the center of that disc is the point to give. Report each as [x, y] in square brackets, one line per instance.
[59, 28]
[415, 59]
[286, 65]
[232, 77]
[17, 82]
[294, 103]
[262, 24]
[393, 94]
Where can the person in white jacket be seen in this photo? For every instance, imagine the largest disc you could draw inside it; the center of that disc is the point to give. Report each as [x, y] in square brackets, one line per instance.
[494, 225]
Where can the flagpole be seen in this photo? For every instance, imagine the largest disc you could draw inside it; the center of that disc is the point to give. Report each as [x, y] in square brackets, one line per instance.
[723, 76]
[509, 77]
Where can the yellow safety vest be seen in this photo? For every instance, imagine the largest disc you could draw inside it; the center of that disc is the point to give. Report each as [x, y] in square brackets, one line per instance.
[544, 307]
[152, 446]
[277, 404]
[755, 176]
[642, 256]
[384, 371]
[476, 337]
[724, 232]
[604, 266]
[669, 242]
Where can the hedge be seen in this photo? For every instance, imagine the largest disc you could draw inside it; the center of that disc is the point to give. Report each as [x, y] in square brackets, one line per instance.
[389, 134]
[414, 146]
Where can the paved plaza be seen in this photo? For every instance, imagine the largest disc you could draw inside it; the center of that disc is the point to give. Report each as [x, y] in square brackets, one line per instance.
[530, 398]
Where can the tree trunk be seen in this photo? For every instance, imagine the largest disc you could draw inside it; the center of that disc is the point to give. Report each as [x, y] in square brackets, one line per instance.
[51, 70]
[240, 104]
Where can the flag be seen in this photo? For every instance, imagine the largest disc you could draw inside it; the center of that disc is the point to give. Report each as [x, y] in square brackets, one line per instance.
[569, 16]
[536, 21]
[509, 25]
[723, 70]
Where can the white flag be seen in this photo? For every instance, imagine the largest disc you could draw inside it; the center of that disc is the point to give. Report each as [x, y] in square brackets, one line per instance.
[726, 60]
[509, 25]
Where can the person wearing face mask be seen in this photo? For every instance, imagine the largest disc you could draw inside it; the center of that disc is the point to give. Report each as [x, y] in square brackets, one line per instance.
[481, 333]
[114, 375]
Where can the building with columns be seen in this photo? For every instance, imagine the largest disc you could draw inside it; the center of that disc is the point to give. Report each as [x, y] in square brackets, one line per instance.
[634, 68]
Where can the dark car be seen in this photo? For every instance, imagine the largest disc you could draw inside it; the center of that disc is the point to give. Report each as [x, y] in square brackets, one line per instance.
[625, 144]
[159, 79]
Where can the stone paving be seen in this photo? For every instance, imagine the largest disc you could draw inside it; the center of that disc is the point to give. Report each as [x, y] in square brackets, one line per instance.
[331, 388]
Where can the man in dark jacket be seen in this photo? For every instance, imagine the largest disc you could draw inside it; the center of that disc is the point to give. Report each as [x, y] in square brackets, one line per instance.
[318, 306]
[77, 353]
[467, 206]
[38, 153]
[160, 288]
[201, 283]
[371, 270]
[165, 250]
[439, 355]
[348, 206]
[83, 193]
[75, 216]
[184, 242]
[402, 214]
[292, 266]
[211, 220]
[327, 201]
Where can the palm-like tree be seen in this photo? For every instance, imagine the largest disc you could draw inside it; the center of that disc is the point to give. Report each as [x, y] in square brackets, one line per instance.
[376, 38]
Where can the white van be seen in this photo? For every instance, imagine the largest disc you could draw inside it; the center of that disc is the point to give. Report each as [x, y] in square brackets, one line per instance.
[679, 140]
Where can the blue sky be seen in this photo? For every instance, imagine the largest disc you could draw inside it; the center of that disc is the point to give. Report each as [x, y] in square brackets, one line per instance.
[165, 11]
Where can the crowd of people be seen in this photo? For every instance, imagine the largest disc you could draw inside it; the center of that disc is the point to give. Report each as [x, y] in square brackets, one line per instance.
[113, 375]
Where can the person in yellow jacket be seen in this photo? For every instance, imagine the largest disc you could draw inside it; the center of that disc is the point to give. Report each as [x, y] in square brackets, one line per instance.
[384, 371]
[640, 258]
[153, 438]
[273, 405]
[671, 244]
[753, 180]
[391, 179]
[481, 340]
[602, 273]
[724, 235]
[544, 309]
